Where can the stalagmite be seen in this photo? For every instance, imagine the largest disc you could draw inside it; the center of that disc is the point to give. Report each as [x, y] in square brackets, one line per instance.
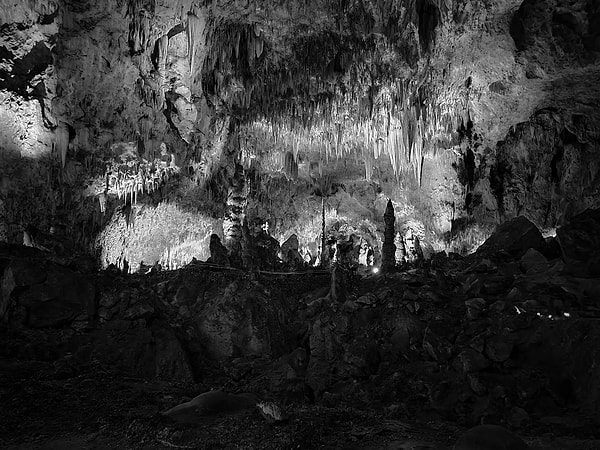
[324, 249]
[232, 221]
[400, 249]
[388, 251]
[102, 202]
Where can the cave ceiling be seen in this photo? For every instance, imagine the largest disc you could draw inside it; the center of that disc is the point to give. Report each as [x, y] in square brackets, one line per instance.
[489, 106]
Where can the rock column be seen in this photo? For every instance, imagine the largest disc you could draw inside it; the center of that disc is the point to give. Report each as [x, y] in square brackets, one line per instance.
[236, 200]
[400, 249]
[388, 252]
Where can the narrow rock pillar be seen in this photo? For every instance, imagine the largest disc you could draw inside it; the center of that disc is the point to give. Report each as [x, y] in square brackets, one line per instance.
[388, 251]
[324, 248]
[234, 213]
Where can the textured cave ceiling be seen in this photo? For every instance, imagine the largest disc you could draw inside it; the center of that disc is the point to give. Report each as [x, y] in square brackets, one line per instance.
[463, 112]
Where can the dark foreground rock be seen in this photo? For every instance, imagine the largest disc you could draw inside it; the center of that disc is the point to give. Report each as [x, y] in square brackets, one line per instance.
[490, 437]
[580, 243]
[506, 338]
[44, 294]
[515, 237]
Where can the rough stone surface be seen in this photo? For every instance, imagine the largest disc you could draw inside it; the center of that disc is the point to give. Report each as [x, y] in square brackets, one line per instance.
[51, 295]
[239, 319]
[490, 437]
[580, 243]
[515, 237]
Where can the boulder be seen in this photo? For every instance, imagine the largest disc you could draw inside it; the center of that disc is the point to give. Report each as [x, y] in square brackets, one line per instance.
[218, 252]
[210, 403]
[534, 262]
[437, 347]
[475, 306]
[499, 348]
[240, 319]
[490, 437]
[325, 352]
[515, 237]
[51, 294]
[149, 351]
[291, 244]
[267, 248]
[470, 360]
[580, 242]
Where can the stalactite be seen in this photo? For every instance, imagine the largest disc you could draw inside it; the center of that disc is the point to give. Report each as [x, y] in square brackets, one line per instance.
[62, 142]
[195, 30]
[102, 202]
[368, 169]
[163, 48]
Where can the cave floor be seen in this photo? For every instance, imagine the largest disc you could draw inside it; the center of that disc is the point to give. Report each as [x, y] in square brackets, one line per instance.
[100, 410]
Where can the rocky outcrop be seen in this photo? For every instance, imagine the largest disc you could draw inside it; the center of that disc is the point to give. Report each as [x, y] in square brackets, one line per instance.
[514, 237]
[498, 315]
[580, 244]
[455, 337]
[86, 321]
[45, 295]
[240, 320]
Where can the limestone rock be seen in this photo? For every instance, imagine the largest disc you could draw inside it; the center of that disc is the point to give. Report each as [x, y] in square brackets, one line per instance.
[218, 252]
[324, 354]
[470, 360]
[140, 310]
[289, 252]
[475, 307]
[515, 237]
[141, 350]
[499, 348]
[439, 348]
[490, 437]
[534, 262]
[291, 243]
[400, 249]
[580, 242]
[268, 248]
[210, 403]
[414, 252]
[272, 412]
[388, 251]
[367, 300]
[53, 295]
[240, 319]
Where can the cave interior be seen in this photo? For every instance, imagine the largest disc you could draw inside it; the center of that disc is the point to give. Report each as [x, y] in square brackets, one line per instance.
[296, 224]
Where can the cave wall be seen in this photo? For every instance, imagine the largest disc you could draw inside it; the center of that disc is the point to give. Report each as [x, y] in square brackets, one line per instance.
[506, 92]
[93, 94]
[528, 72]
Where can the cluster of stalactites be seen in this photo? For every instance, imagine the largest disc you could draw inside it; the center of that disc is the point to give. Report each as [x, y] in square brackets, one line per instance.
[226, 45]
[128, 181]
[140, 12]
[151, 91]
[401, 124]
